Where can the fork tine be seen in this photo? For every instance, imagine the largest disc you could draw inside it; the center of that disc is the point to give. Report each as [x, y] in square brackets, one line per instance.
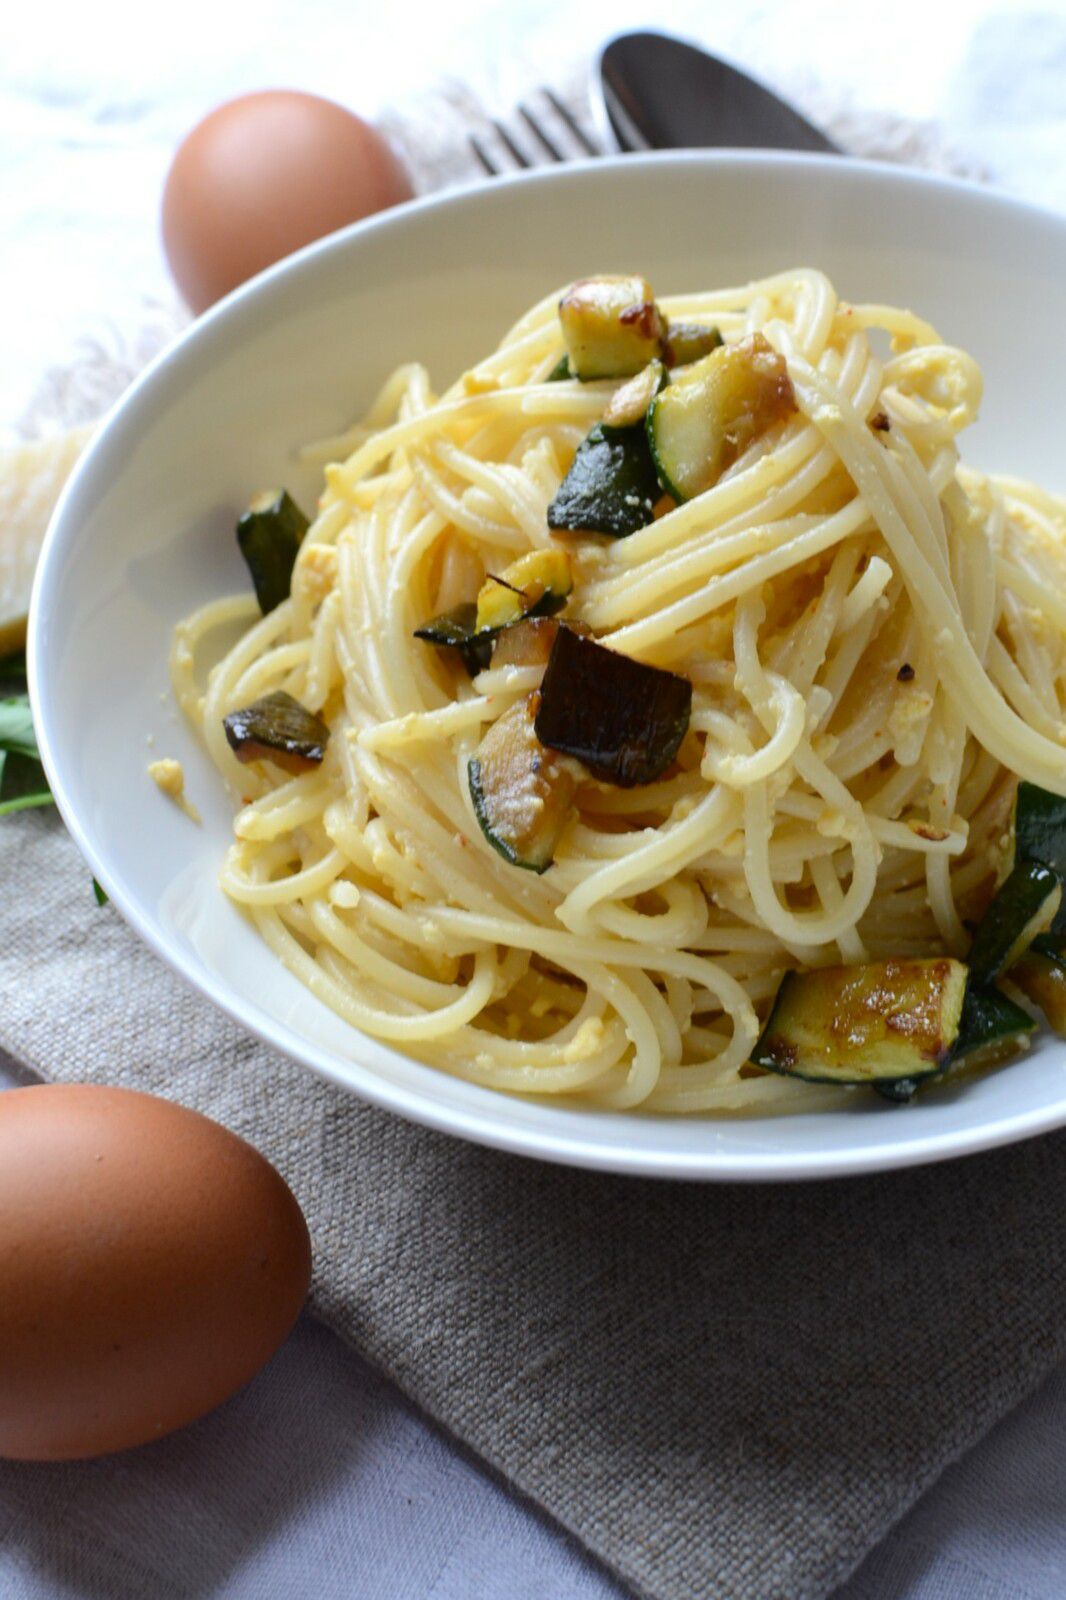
[486, 161]
[516, 151]
[572, 123]
[489, 159]
[539, 134]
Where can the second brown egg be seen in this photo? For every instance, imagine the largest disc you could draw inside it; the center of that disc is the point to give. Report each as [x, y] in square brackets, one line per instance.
[263, 175]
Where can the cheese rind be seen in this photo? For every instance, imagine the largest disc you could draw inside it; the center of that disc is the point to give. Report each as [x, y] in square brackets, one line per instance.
[31, 477]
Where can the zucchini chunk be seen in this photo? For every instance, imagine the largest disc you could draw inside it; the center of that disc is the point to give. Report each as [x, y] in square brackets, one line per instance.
[898, 1090]
[1041, 975]
[560, 371]
[536, 585]
[269, 534]
[1040, 833]
[883, 1022]
[525, 644]
[630, 401]
[612, 486]
[712, 411]
[611, 325]
[686, 342]
[1022, 908]
[992, 1029]
[529, 643]
[622, 720]
[457, 630]
[277, 728]
[522, 793]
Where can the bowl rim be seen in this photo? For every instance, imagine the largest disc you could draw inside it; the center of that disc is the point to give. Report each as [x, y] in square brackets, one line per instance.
[485, 1125]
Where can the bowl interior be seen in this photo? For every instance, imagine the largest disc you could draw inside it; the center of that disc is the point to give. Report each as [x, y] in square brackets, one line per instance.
[145, 533]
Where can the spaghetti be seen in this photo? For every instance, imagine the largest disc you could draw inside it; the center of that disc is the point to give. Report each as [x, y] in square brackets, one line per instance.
[876, 642]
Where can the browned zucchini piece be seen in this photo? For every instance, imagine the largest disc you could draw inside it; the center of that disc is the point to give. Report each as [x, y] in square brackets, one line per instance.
[277, 728]
[536, 585]
[712, 411]
[526, 644]
[622, 720]
[689, 341]
[1039, 829]
[879, 1022]
[529, 643]
[269, 535]
[1023, 907]
[1041, 976]
[992, 1031]
[611, 325]
[457, 630]
[522, 793]
[630, 401]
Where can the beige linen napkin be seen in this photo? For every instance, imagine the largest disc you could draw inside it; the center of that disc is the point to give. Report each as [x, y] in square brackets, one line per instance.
[726, 1393]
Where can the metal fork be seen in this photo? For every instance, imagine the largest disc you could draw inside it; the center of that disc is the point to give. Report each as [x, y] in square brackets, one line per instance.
[556, 134]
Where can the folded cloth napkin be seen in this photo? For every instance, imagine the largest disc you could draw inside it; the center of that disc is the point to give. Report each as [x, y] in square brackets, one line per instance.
[723, 1391]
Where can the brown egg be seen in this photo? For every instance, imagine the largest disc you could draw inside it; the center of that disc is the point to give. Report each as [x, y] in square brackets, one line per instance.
[262, 175]
[150, 1262]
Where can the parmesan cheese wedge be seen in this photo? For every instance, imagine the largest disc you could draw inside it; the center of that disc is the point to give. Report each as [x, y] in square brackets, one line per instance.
[31, 476]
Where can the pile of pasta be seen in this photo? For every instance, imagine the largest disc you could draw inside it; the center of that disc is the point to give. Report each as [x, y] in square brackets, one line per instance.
[876, 642]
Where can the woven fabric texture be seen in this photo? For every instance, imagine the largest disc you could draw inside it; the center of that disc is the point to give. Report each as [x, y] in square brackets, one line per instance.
[723, 1391]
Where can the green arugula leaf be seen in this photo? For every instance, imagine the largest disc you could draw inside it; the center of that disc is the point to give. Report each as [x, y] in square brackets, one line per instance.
[26, 802]
[16, 727]
[22, 783]
[13, 674]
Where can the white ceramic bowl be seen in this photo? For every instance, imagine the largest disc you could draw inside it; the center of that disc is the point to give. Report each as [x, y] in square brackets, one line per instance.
[145, 532]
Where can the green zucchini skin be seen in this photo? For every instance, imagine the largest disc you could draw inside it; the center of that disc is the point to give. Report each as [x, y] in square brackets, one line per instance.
[991, 1027]
[880, 1022]
[269, 535]
[900, 1091]
[277, 728]
[1040, 833]
[457, 630]
[622, 720]
[689, 341]
[549, 605]
[612, 485]
[1041, 976]
[538, 584]
[1022, 908]
[658, 430]
[481, 797]
[522, 794]
[991, 1030]
[560, 372]
[713, 410]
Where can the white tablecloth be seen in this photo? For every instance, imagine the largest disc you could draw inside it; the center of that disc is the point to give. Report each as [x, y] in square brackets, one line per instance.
[319, 1480]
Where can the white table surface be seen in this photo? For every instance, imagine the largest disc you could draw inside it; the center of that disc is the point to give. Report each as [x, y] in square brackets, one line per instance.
[320, 1480]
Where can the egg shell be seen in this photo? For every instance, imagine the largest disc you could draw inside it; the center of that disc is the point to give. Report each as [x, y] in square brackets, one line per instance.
[150, 1263]
[263, 175]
